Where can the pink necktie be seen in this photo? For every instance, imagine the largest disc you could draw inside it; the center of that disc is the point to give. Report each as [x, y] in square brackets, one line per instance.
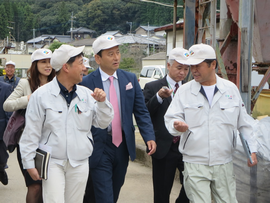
[116, 122]
[176, 138]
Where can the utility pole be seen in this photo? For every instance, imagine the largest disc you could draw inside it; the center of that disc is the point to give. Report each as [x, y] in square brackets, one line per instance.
[148, 51]
[174, 23]
[34, 33]
[71, 29]
[130, 26]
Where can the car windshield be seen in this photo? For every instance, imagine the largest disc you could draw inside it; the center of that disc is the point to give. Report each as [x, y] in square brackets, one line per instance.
[147, 71]
[163, 71]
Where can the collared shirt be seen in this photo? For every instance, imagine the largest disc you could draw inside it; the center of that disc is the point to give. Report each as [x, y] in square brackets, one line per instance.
[171, 84]
[67, 95]
[106, 84]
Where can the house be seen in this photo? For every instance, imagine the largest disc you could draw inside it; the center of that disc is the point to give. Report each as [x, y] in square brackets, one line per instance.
[82, 33]
[179, 34]
[155, 59]
[145, 30]
[143, 42]
[44, 41]
[88, 51]
[114, 33]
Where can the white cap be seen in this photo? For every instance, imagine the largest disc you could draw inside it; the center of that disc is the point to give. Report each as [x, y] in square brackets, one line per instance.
[61, 55]
[104, 42]
[41, 54]
[179, 54]
[86, 62]
[199, 52]
[10, 63]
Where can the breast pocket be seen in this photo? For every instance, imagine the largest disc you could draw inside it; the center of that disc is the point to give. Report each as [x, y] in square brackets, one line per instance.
[229, 112]
[54, 115]
[194, 115]
[83, 117]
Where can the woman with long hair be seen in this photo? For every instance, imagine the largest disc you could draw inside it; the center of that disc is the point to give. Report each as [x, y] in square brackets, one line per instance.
[38, 74]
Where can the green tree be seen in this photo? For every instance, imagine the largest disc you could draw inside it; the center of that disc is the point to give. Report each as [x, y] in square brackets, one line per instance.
[127, 63]
[63, 17]
[29, 23]
[55, 45]
[3, 22]
[106, 15]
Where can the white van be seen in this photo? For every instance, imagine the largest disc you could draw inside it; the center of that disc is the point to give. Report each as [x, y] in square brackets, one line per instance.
[151, 73]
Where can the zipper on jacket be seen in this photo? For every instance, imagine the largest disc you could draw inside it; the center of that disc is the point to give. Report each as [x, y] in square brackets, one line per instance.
[233, 140]
[186, 140]
[48, 138]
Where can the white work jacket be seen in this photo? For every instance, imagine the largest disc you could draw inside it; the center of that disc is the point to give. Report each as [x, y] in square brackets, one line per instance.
[211, 137]
[67, 130]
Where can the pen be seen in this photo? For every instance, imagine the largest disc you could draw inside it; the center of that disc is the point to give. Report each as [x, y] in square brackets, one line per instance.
[76, 108]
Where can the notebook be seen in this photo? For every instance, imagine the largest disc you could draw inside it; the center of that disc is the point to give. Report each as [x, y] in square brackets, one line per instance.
[246, 147]
[42, 162]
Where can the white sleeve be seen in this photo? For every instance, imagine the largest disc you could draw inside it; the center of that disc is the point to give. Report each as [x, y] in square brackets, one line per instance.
[175, 112]
[17, 100]
[245, 126]
[29, 142]
[103, 114]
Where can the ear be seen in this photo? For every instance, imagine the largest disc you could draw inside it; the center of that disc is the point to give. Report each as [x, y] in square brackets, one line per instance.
[168, 65]
[213, 64]
[97, 58]
[65, 68]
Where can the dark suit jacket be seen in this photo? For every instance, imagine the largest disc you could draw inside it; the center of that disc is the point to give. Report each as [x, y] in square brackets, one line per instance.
[132, 102]
[13, 82]
[5, 91]
[157, 111]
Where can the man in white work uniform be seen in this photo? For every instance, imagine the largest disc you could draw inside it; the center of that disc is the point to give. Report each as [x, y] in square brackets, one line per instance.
[207, 112]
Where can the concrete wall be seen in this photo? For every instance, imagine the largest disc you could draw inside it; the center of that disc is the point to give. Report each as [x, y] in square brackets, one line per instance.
[153, 62]
[22, 61]
[179, 38]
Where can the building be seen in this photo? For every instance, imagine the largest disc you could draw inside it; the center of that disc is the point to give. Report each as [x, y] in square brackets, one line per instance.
[179, 34]
[116, 33]
[155, 59]
[82, 33]
[45, 41]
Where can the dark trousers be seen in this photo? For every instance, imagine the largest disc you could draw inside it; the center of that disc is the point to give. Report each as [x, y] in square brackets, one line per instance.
[89, 195]
[3, 155]
[109, 176]
[163, 171]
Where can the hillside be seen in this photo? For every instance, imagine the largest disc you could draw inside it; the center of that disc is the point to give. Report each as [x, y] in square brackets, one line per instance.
[20, 17]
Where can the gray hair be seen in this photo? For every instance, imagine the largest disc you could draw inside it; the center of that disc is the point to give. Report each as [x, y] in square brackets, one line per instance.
[171, 61]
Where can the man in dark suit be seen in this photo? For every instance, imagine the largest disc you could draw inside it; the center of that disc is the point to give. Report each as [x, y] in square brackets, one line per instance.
[112, 148]
[5, 91]
[158, 96]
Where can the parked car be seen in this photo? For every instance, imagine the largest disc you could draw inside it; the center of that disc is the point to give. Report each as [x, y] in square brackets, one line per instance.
[151, 73]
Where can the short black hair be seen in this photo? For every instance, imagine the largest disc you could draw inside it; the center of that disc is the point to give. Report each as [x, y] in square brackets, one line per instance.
[100, 53]
[72, 59]
[209, 61]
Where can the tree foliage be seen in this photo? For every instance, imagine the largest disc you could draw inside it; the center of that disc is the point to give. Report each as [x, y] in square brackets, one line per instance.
[28, 17]
[127, 63]
[55, 45]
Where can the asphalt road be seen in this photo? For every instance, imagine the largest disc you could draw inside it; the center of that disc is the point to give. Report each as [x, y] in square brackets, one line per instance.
[137, 187]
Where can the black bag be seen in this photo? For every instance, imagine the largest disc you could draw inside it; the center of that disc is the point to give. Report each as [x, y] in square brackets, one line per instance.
[14, 129]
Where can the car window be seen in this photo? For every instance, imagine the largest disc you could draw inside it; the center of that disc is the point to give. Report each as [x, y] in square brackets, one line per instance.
[149, 73]
[163, 70]
[158, 73]
[143, 72]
